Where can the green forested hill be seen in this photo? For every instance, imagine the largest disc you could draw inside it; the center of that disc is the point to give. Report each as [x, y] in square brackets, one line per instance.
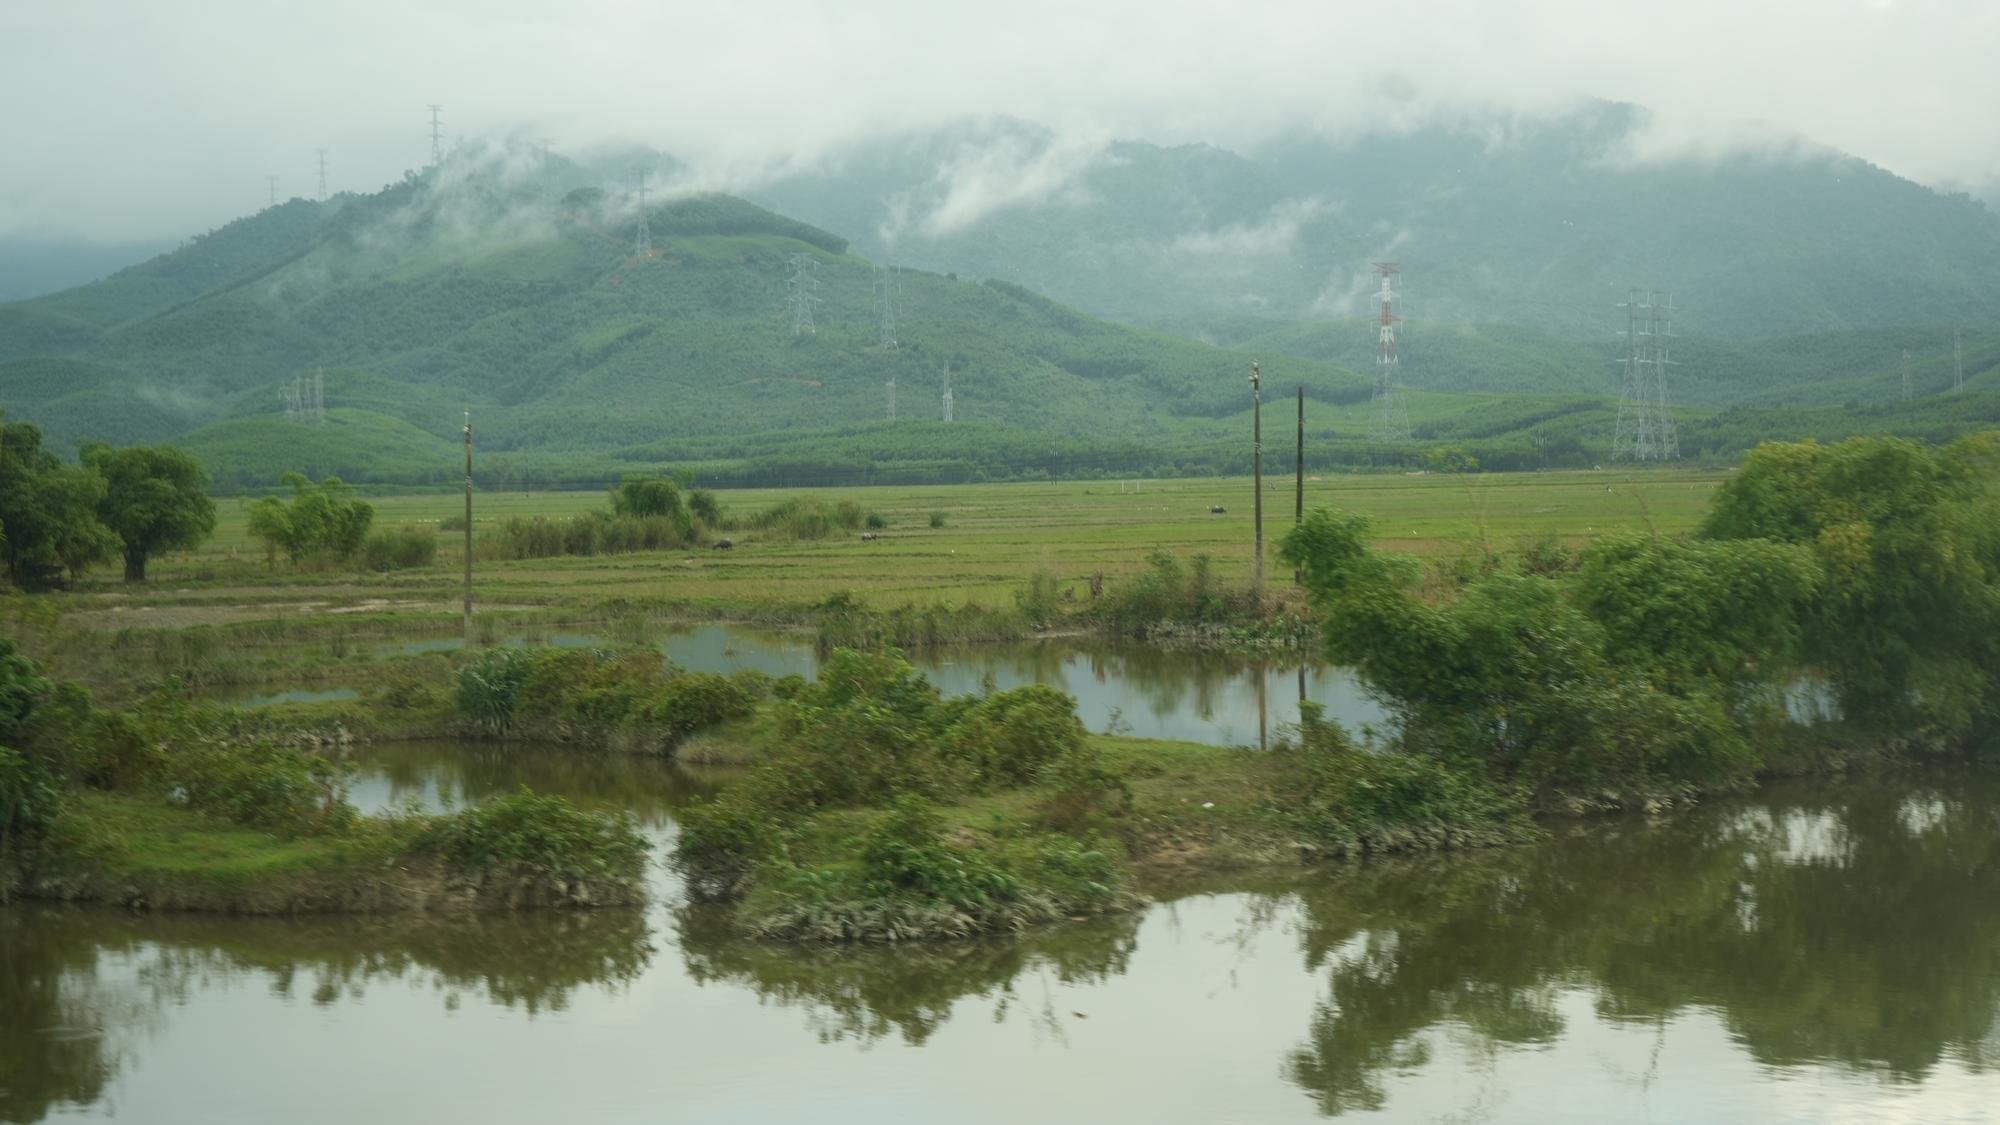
[508, 285]
[483, 290]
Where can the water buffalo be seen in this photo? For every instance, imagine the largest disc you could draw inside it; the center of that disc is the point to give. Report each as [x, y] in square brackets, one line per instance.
[1216, 509]
[724, 545]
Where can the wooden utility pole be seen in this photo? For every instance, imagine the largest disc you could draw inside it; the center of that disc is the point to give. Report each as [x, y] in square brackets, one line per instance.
[1257, 458]
[468, 527]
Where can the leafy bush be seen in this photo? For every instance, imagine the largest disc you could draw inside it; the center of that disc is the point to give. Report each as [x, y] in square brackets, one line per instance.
[1168, 593]
[1514, 677]
[31, 800]
[809, 518]
[692, 701]
[702, 506]
[592, 533]
[525, 836]
[402, 548]
[1011, 738]
[589, 694]
[1039, 601]
[937, 520]
[1354, 800]
[323, 520]
[260, 784]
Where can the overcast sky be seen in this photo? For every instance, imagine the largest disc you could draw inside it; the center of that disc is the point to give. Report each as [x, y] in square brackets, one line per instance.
[150, 118]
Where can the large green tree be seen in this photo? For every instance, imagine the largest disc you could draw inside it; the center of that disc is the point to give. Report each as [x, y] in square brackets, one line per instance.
[155, 499]
[48, 511]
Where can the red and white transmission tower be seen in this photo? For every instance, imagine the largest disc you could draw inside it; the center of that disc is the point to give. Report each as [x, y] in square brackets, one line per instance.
[1392, 414]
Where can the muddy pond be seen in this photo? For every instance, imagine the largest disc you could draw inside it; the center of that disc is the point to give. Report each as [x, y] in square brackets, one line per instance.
[1809, 953]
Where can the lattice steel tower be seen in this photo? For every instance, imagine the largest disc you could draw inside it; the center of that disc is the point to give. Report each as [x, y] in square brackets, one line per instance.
[1646, 429]
[437, 135]
[1392, 413]
[802, 293]
[947, 392]
[885, 307]
[642, 240]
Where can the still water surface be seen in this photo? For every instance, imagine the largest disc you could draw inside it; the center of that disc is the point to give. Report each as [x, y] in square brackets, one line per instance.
[1827, 952]
[1222, 699]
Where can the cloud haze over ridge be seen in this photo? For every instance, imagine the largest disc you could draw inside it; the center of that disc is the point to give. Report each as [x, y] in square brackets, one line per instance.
[131, 119]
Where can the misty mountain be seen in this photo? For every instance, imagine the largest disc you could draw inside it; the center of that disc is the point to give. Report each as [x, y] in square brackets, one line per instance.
[495, 286]
[1543, 223]
[510, 283]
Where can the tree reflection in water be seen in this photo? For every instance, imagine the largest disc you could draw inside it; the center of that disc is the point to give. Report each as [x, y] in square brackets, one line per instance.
[65, 1022]
[1831, 928]
[867, 993]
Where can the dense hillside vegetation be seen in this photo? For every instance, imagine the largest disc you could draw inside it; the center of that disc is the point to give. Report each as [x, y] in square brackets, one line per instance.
[508, 284]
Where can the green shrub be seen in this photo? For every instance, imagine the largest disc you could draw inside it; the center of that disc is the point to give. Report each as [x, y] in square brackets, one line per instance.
[1011, 738]
[875, 521]
[937, 520]
[31, 800]
[903, 853]
[1040, 600]
[525, 836]
[324, 520]
[260, 784]
[401, 548]
[592, 533]
[1352, 799]
[692, 701]
[809, 518]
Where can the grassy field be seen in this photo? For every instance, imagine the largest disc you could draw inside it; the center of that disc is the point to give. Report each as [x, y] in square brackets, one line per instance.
[994, 537]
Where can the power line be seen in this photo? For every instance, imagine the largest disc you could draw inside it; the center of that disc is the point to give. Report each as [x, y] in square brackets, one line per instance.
[1906, 374]
[1957, 362]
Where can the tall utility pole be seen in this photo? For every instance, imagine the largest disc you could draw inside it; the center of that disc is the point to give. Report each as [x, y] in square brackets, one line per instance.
[1957, 362]
[802, 293]
[1392, 413]
[1906, 374]
[322, 173]
[1646, 430]
[891, 384]
[1257, 461]
[468, 526]
[642, 242]
[947, 392]
[271, 186]
[437, 136]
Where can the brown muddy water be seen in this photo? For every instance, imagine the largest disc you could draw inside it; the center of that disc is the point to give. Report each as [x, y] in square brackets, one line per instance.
[1810, 953]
